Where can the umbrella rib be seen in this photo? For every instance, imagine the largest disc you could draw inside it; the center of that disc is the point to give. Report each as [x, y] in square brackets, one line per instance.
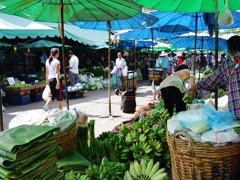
[115, 8]
[88, 9]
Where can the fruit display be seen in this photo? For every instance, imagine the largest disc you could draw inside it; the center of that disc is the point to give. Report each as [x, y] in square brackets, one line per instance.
[106, 170]
[188, 98]
[145, 170]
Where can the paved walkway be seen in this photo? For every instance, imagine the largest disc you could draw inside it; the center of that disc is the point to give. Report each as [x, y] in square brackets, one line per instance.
[94, 104]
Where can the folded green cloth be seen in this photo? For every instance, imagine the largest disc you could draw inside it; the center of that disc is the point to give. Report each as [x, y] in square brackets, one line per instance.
[73, 159]
[34, 153]
[21, 137]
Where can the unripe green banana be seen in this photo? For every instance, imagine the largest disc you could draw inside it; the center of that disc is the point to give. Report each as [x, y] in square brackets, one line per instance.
[154, 169]
[149, 167]
[137, 168]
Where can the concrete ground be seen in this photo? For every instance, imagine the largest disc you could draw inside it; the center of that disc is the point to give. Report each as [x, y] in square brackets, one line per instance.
[94, 104]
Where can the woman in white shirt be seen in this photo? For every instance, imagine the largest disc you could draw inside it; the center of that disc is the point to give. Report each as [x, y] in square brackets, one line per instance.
[53, 78]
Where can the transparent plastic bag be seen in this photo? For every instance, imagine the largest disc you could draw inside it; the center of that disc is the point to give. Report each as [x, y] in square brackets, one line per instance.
[46, 93]
[193, 120]
[220, 137]
[225, 16]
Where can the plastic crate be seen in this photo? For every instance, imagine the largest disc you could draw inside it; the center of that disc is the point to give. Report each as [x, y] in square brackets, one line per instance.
[19, 99]
[35, 96]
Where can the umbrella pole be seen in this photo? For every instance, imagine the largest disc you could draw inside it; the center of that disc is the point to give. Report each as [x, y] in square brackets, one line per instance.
[109, 66]
[63, 53]
[153, 66]
[1, 115]
[134, 55]
[195, 46]
[216, 51]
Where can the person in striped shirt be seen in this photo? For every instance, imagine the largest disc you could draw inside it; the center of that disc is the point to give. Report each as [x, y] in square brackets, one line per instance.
[229, 73]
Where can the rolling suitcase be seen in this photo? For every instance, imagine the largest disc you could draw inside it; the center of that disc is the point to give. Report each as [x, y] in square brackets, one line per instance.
[129, 97]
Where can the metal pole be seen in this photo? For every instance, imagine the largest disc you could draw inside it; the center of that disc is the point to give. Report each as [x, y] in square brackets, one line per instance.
[1, 115]
[216, 50]
[134, 55]
[109, 66]
[63, 52]
[195, 46]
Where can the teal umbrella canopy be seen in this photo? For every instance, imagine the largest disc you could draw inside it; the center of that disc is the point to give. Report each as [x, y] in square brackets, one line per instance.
[74, 10]
[43, 44]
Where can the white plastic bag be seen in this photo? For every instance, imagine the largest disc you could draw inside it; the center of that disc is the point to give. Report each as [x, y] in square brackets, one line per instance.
[46, 93]
[225, 16]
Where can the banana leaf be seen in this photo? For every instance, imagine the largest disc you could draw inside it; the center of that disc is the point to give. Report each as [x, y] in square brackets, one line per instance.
[20, 163]
[32, 167]
[73, 159]
[20, 155]
[22, 137]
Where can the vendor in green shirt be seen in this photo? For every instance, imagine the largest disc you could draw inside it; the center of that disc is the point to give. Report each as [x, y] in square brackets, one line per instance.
[172, 89]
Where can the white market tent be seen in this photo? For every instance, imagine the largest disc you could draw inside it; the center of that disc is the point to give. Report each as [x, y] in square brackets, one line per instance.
[13, 26]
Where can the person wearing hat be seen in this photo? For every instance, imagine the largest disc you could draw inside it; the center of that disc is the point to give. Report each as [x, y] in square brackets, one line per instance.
[181, 59]
[73, 68]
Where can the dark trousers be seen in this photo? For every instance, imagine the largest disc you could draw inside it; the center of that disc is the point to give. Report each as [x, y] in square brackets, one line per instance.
[173, 96]
[55, 93]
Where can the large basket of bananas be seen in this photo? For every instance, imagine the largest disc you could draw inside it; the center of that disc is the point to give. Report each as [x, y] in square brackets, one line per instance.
[196, 160]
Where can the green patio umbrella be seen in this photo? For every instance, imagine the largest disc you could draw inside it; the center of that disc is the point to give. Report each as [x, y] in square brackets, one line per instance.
[70, 11]
[188, 5]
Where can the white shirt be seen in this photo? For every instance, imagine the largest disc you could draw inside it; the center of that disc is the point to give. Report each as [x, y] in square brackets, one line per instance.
[73, 63]
[52, 68]
[120, 63]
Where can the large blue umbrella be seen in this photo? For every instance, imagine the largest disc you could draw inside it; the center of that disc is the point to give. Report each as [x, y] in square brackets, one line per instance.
[179, 20]
[146, 34]
[139, 21]
[204, 41]
[139, 44]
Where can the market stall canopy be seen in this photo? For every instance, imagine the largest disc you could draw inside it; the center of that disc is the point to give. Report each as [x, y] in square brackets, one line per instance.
[13, 26]
[204, 41]
[139, 21]
[188, 5]
[43, 43]
[85, 36]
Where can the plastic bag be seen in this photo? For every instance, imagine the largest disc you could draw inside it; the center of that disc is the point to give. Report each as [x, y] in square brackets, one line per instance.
[193, 120]
[46, 93]
[220, 137]
[173, 125]
[218, 120]
[115, 70]
[225, 16]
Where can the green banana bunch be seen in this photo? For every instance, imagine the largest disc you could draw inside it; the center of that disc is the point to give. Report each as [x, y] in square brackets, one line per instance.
[132, 137]
[145, 170]
[141, 149]
[188, 98]
[156, 147]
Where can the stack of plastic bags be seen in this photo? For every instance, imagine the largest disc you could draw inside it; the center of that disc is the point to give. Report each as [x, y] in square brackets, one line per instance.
[29, 152]
[206, 125]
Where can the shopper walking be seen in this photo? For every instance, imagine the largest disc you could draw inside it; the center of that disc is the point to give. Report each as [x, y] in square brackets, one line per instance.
[53, 78]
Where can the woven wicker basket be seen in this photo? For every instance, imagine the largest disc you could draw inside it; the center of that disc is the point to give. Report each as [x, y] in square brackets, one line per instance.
[66, 139]
[196, 160]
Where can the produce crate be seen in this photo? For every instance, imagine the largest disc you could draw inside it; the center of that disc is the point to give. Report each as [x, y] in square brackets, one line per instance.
[35, 96]
[39, 86]
[196, 160]
[19, 99]
[17, 89]
[157, 75]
